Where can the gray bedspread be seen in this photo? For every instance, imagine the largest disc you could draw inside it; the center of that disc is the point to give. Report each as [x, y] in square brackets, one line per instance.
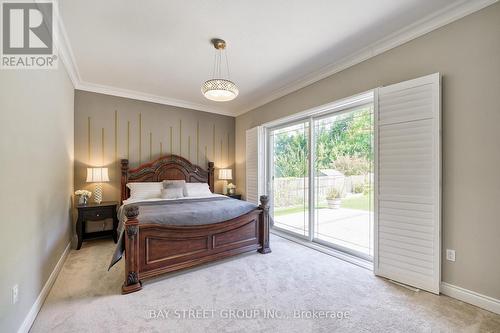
[182, 212]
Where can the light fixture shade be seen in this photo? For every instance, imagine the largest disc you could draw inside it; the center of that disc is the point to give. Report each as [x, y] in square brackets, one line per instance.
[97, 175]
[225, 174]
[219, 90]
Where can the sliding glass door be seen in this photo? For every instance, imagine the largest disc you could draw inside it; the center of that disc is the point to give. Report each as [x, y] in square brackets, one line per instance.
[321, 178]
[343, 180]
[289, 146]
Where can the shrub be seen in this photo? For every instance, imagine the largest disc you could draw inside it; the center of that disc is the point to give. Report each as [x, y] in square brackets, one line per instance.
[367, 188]
[358, 188]
[351, 166]
[333, 193]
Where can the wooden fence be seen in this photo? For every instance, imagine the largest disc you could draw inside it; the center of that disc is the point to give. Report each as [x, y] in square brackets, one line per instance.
[294, 191]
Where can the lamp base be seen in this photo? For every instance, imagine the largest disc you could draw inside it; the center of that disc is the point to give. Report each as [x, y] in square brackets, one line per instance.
[224, 188]
[98, 193]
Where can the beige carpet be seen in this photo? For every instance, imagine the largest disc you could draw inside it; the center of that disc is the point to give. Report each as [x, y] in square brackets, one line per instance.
[86, 298]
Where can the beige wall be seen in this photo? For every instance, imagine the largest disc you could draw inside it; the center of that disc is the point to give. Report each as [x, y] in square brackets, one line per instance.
[467, 54]
[119, 128]
[36, 141]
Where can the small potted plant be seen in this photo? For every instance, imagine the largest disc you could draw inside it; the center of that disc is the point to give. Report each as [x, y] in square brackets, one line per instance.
[333, 198]
[83, 196]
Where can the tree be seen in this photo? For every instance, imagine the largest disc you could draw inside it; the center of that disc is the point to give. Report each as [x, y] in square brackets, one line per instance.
[290, 155]
[345, 137]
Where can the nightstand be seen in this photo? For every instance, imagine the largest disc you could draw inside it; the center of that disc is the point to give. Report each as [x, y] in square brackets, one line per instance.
[96, 212]
[235, 196]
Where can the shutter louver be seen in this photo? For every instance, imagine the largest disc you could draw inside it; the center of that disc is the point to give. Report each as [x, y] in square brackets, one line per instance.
[408, 248]
[255, 178]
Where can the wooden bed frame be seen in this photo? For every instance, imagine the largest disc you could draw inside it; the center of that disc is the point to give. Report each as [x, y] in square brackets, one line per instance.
[153, 249]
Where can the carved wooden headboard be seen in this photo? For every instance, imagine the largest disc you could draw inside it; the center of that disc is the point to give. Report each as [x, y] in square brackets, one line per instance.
[168, 167]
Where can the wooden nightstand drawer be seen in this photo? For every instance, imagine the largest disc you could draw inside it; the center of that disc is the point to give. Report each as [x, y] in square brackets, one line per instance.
[98, 214]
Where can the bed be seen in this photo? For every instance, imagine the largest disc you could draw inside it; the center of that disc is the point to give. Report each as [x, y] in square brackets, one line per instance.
[155, 242]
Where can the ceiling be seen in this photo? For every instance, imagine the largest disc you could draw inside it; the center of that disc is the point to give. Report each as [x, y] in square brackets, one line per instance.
[160, 50]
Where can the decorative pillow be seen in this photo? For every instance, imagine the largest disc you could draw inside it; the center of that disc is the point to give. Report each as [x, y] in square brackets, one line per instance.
[173, 189]
[197, 190]
[172, 193]
[147, 190]
[167, 182]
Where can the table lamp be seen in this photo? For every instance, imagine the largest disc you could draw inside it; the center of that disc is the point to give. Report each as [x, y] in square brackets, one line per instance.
[97, 176]
[225, 175]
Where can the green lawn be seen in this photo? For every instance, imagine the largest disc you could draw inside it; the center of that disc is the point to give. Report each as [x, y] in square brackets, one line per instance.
[357, 202]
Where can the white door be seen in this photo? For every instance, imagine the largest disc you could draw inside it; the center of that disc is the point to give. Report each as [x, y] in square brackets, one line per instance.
[408, 183]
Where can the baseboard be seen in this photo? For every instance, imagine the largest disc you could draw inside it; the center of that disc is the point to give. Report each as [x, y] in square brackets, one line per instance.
[471, 297]
[35, 308]
[464, 295]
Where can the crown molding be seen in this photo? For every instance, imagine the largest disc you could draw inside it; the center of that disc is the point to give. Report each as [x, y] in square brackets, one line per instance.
[64, 50]
[141, 96]
[421, 27]
[66, 55]
[434, 21]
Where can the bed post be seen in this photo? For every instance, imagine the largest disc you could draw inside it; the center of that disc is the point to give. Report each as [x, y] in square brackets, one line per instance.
[264, 224]
[211, 176]
[124, 180]
[132, 282]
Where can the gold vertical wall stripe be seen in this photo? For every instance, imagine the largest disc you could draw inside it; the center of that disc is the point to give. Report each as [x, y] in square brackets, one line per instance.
[206, 158]
[161, 149]
[171, 139]
[102, 146]
[213, 147]
[220, 157]
[180, 137]
[227, 156]
[197, 141]
[140, 138]
[116, 135]
[189, 148]
[128, 139]
[88, 138]
[150, 146]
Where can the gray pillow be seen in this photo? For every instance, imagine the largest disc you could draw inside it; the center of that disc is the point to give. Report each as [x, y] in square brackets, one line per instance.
[178, 182]
[172, 189]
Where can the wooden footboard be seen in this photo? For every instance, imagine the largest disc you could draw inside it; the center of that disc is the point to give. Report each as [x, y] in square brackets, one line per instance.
[152, 249]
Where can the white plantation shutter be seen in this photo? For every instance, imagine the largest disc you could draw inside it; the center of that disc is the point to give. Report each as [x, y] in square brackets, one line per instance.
[255, 159]
[408, 183]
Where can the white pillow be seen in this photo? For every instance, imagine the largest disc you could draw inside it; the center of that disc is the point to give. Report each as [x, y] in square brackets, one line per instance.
[197, 190]
[147, 190]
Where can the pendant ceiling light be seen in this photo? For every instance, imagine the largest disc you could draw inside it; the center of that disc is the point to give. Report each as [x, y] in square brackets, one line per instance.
[219, 88]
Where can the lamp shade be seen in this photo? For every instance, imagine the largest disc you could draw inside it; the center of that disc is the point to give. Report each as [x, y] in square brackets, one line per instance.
[225, 174]
[97, 175]
[219, 90]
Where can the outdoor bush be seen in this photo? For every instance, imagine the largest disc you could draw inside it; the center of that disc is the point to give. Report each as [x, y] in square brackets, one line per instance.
[358, 188]
[333, 193]
[343, 143]
[351, 166]
[366, 188]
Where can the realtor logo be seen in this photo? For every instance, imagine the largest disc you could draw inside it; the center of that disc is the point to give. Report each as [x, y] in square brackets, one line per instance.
[27, 35]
